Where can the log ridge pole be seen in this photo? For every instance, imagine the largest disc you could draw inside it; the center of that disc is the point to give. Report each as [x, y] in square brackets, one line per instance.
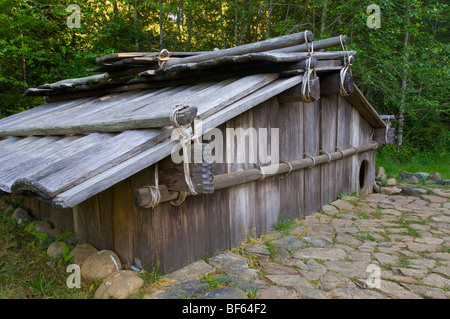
[251, 175]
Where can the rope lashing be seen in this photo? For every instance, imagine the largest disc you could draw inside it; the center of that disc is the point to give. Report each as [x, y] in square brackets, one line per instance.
[340, 151]
[261, 170]
[163, 56]
[154, 191]
[313, 159]
[346, 69]
[387, 130]
[328, 154]
[354, 148]
[290, 169]
[185, 139]
[180, 200]
[306, 87]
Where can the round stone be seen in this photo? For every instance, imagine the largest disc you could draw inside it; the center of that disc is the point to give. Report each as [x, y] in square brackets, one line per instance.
[119, 285]
[100, 265]
[81, 252]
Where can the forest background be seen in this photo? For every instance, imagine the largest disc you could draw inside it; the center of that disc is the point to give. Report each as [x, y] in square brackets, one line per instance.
[401, 66]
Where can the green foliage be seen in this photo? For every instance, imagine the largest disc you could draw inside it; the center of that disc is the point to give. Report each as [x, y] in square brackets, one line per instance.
[36, 47]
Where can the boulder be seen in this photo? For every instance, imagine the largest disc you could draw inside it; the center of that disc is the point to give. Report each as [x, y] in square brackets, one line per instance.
[419, 176]
[119, 285]
[436, 176]
[380, 173]
[100, 265]
[391, 182]
[42, 226]
[413, 191]
[20, 215]
[55, 250]
[390, 190]
[81, 252]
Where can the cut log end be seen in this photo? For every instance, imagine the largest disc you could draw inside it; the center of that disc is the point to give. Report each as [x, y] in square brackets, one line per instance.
[187, 115]
[313, 94]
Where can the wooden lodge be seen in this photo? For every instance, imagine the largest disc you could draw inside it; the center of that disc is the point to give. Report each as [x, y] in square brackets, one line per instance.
[96, 159]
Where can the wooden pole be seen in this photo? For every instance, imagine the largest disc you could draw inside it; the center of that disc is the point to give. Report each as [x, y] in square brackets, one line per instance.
[184, 116]
[317, 45]
[251, 175]
[266, 45]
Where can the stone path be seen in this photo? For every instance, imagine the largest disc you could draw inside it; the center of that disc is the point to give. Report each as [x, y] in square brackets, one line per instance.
[331, 254]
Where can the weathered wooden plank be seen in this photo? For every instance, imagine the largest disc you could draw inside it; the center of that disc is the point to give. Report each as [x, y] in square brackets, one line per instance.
[360, 103]
[241, 198]
[311, 125]
[328, 115]
[354, 140]
[291, 148]
[384, 136]
[267, 199]
[343, 167]
[123, 222]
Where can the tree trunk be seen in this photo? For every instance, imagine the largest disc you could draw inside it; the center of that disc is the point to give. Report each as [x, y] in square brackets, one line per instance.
[136, 38]
[270, 18]
[402, 108]
[222, 25]
[161, 30]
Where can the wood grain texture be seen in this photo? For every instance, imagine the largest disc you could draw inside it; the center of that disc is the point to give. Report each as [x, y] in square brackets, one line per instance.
[328, 115]
[343, 127]
[291, 190]
[311, 125]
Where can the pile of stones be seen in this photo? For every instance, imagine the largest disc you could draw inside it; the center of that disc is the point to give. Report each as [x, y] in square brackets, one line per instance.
[96, 266]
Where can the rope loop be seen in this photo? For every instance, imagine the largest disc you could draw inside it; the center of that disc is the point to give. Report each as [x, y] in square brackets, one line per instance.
[154, 190]
[163, 56]
[185, 139]
[313, 159]
[290, 169]
[328, 154]
[346, 69]
[180, 200]
[306, 87]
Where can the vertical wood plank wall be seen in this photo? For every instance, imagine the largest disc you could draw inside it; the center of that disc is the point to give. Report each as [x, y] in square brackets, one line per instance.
[170, 237]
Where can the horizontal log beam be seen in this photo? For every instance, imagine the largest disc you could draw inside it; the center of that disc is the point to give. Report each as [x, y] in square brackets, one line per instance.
[251, 175]
[317, 45]
[184, 117]
[266, 45]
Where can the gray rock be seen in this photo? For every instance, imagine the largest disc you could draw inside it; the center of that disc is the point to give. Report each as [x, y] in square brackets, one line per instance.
[380, 173]
[188, 289]
[413, 191]
[444, 270]
[436, 176]
[426, 291]
[445, 181]
[119, 285]
[100, 265]
[256, 249]
[391, 182]
[42, 226]
[412, 180]
[20, 215]
[234, 265]
[419, 176]
[390, 190]
[331, 280]
[55, 250]
[191, 272]
[386, 259]
[355, 293]
[321, 253]
[342, 204]
[317, 241]
[392, 290]
[275, 292]
[272, 268]
[290, 243]
[224, 293]
[81, 252]
[436, 281]
[54, 233]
